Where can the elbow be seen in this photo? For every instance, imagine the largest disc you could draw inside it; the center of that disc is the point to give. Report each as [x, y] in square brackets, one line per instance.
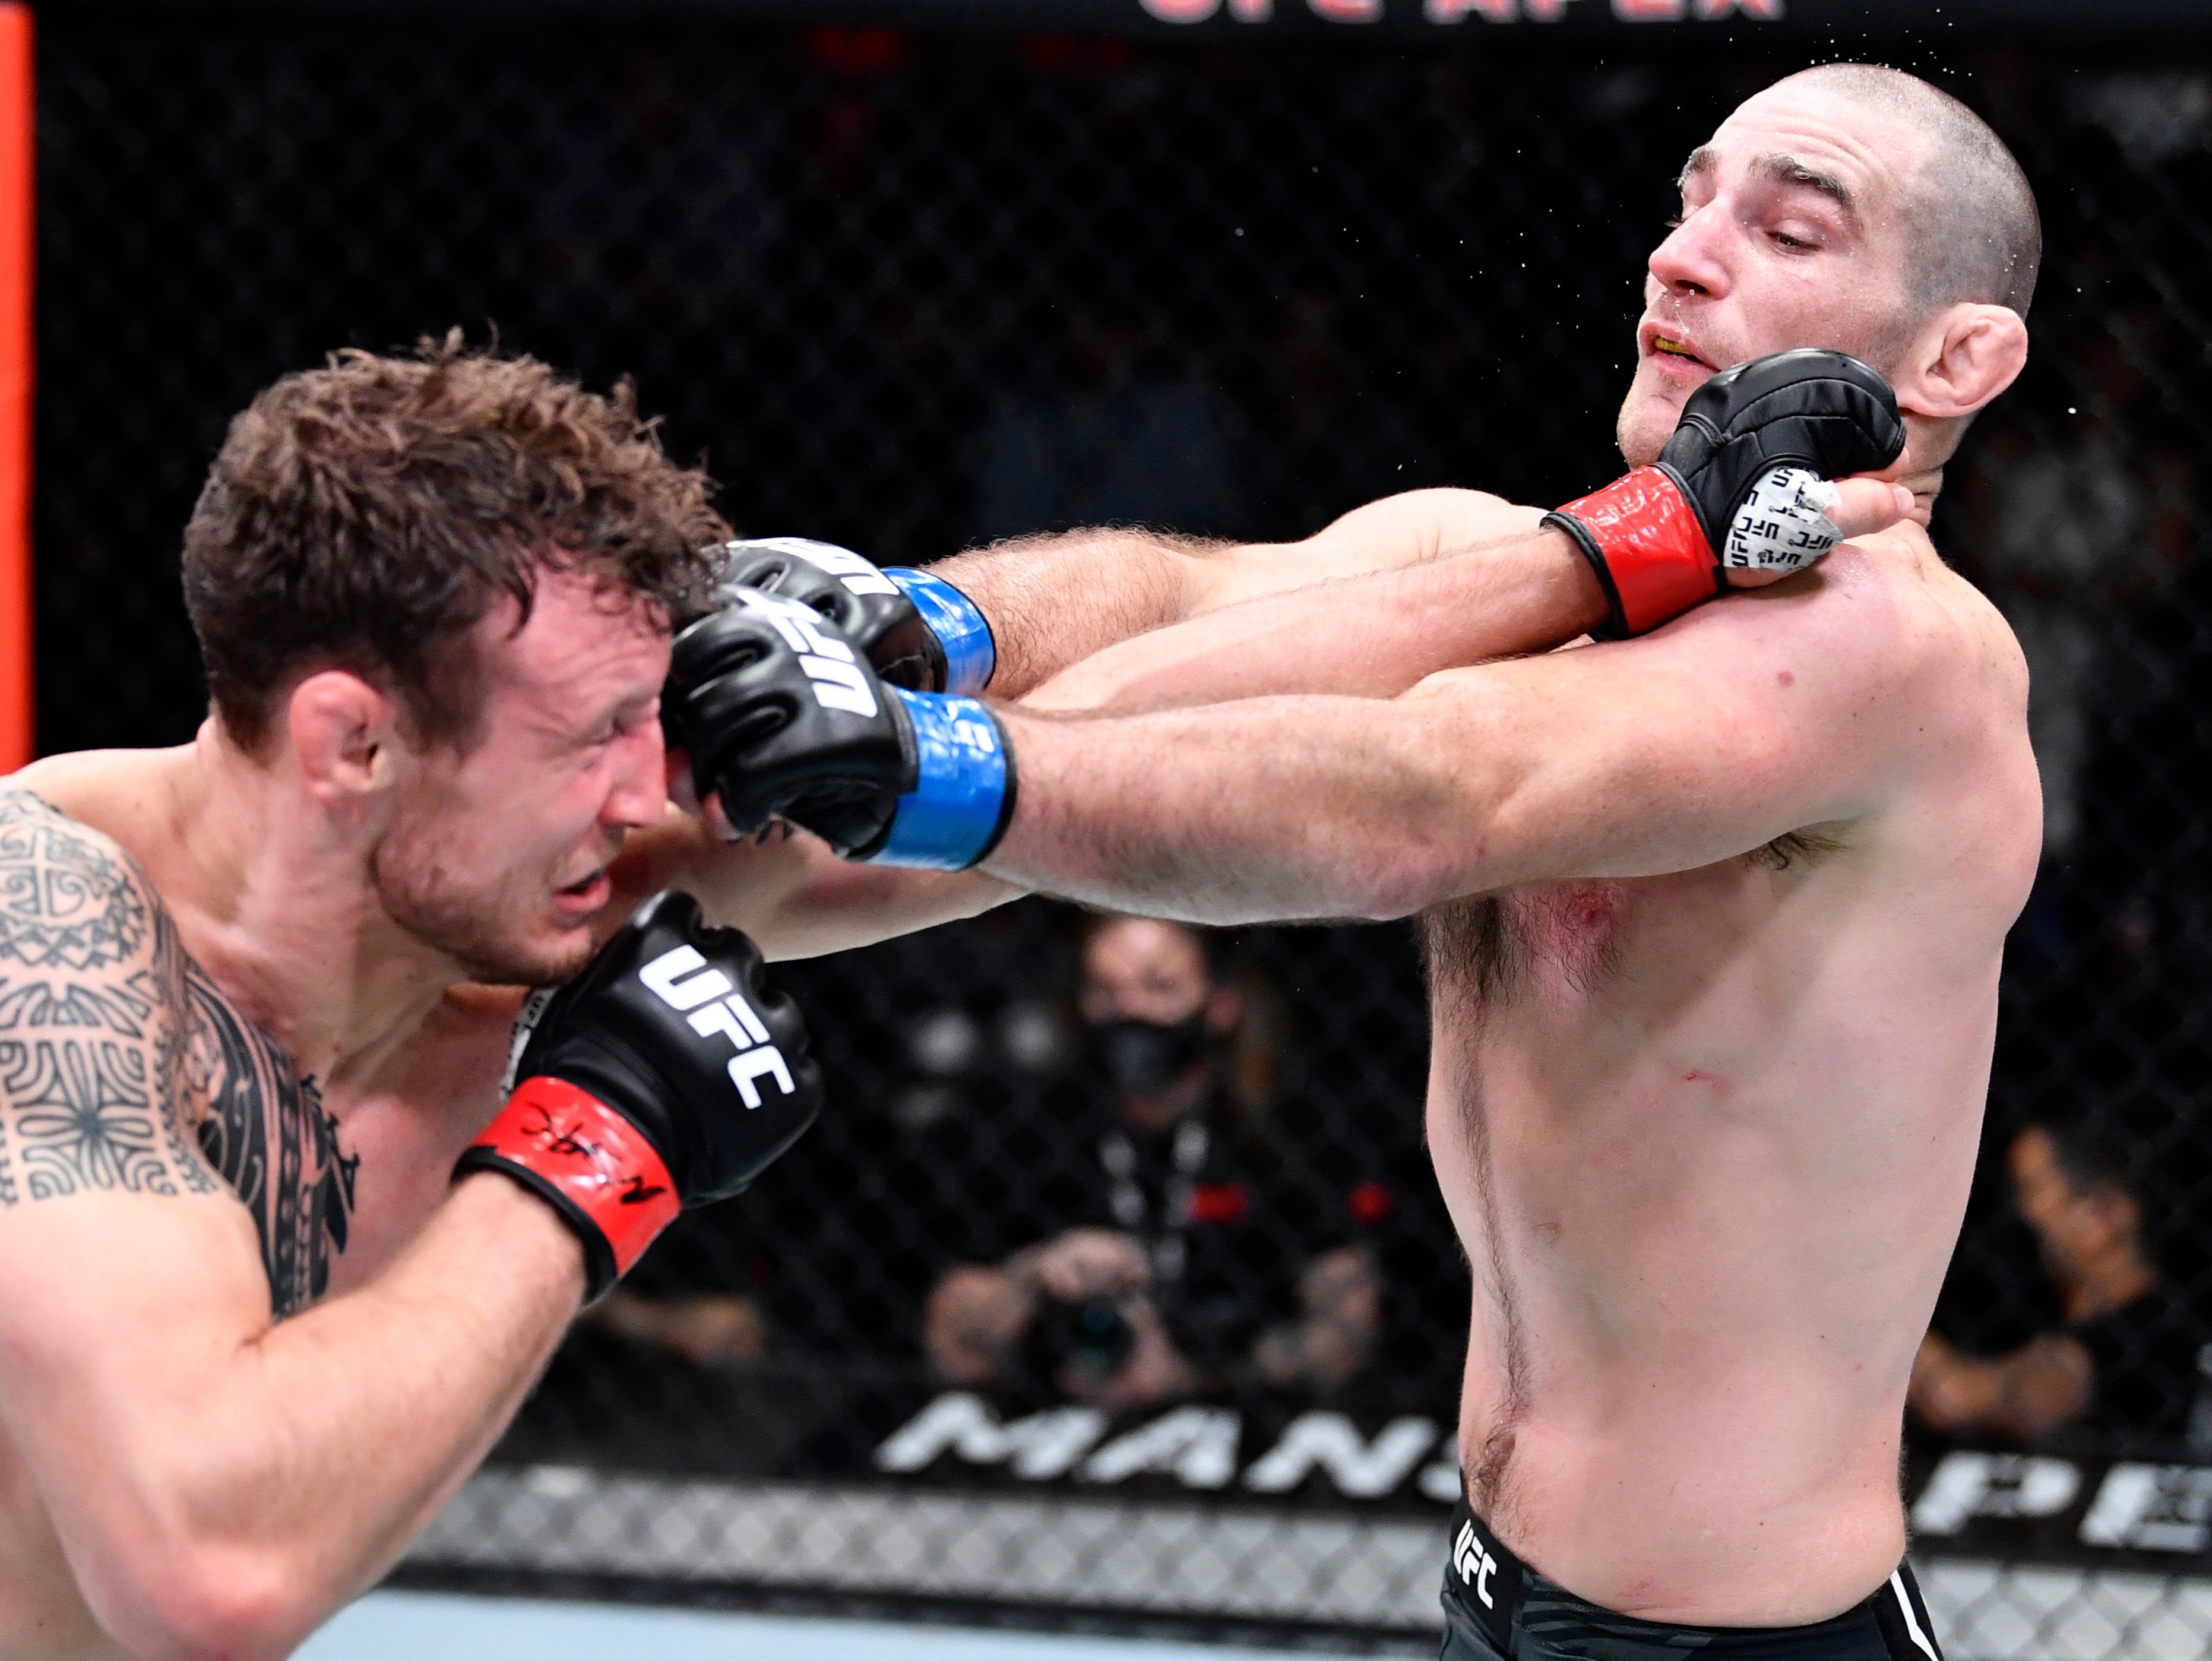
[204, 1602]
[1400, 875]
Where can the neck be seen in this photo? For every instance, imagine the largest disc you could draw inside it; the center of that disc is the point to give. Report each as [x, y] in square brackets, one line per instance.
[273, 896]
[1150, 1115]
[1925, 486]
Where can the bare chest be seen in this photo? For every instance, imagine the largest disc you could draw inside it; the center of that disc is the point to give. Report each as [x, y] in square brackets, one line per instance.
[338, 1177]
[1587, 944]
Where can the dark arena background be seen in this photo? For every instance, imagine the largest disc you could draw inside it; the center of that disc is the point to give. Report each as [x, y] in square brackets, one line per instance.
[914, 277]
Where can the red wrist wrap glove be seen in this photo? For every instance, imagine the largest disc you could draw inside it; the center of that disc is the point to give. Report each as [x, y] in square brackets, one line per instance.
[1739, 484]
[667, 1074]
[1655, 563]
[585, 1158]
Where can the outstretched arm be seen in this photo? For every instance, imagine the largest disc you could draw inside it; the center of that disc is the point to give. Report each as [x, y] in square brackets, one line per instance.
[1053, 600]
[188, 1447]
[1734, 726]
[1506, 587]
[1500, 587]
[1516, 588]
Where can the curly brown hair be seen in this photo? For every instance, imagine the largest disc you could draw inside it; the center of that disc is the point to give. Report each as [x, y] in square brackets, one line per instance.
[367, 514]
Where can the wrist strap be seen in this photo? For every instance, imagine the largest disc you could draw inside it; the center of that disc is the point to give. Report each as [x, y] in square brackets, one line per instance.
[592, 1165]
[970, 654]
[1642, 537]
[963, 792]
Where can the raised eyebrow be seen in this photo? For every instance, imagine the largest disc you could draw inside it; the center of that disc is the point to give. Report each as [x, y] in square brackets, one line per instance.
[1789, 170]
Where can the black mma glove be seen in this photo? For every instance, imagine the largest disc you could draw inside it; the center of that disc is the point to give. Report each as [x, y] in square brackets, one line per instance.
[916, 630]
[1742, 484]
[782, 719]
[667, 1074]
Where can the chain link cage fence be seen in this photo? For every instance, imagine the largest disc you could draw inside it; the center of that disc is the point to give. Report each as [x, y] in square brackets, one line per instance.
[907, 291]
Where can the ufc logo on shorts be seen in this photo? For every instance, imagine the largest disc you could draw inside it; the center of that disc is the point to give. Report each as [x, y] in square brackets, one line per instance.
[1474, 1563]
[830, 667]
[682, 980]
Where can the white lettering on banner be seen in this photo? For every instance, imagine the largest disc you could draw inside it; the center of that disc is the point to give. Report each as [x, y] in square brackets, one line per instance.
[1197, 1444]
[1360, 1469]
[1180, 11]
[1648, 11]
[2151, 1508]
[1348, 11]
[1440, 1480]
[664, 978]
[1042, 1447]
[1970, 1485]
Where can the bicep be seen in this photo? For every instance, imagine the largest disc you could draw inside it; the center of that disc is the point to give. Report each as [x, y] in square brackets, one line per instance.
[134, 1273]
[1703, 741]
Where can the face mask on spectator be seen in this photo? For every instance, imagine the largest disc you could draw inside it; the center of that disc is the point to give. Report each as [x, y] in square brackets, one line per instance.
[1143, 1058]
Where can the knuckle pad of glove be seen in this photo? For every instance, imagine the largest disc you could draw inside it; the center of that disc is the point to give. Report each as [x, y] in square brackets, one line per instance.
[1821, 411]
[673, 1027]
[884, 627]
[772, 744]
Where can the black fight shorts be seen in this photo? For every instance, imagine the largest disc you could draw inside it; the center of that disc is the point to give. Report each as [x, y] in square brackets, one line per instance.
[1499, 1609]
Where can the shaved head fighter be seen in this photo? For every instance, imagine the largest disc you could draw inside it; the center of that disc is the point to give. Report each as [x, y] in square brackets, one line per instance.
[1713, 908]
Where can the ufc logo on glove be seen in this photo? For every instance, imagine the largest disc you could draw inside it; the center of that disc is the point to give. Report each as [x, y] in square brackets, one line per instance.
[830, 667]
[682, 980]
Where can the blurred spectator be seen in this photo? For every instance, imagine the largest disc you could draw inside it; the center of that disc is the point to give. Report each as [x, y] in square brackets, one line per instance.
[2124, 1358]
[1139, 440]
[720, 1330]
[1182, 1251]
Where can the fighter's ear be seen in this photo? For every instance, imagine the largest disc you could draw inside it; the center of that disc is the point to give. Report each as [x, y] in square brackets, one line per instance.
[1967, 355]
[344, 734]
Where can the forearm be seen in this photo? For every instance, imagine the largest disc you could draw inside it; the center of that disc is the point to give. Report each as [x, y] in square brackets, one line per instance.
[1271, 810]
[392, 1395]
[1053, 600]
[294, 1466]
[795, 896]
[1372, 636]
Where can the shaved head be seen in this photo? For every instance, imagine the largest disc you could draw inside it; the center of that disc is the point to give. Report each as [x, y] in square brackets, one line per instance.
[1976, 234]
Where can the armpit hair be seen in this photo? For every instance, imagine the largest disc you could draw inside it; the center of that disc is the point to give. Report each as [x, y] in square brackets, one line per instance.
[1796, 847]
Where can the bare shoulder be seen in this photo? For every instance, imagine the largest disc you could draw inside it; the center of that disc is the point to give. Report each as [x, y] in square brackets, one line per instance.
[95, 1014]
[125, 1068]
[1953, 711]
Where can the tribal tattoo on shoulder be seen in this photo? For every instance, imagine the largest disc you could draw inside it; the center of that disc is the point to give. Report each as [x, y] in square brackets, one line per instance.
[123, 1068]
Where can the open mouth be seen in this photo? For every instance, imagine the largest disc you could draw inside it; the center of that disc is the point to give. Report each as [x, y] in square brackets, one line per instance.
[1666, 346]
[590, 889]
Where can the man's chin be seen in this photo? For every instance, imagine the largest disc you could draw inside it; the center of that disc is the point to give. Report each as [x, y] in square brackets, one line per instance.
[548, 962]
[1648, 419]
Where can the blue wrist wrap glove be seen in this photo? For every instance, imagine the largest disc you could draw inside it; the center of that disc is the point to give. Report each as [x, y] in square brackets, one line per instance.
[915, 630]
[970, 654]
[782, 718]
